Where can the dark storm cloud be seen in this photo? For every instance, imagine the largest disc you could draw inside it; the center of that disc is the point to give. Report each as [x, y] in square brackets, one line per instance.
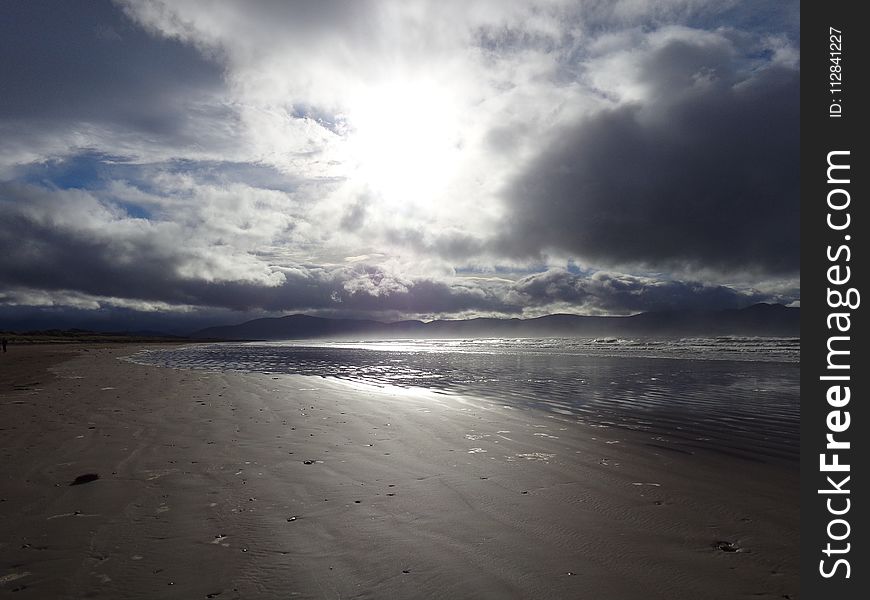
[85, 61]
[45, 245]
[621, 293]
[702, 173]
[67, 240]
[101, 253]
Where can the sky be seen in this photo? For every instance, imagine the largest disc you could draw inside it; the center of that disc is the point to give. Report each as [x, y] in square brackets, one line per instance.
[176, 164]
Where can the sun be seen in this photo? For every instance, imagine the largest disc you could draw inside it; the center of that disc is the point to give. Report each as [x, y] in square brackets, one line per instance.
[404, 141]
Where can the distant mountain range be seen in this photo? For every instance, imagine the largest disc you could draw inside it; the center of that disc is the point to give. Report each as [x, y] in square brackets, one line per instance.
[756, 320]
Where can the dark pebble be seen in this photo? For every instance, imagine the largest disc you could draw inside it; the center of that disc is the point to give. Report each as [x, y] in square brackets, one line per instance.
[727, 546]
[86, 478]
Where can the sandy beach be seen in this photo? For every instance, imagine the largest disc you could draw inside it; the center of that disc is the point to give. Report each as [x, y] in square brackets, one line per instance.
[223, 485]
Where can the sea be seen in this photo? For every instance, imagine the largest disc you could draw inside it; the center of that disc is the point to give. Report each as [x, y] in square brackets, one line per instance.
[733, 395]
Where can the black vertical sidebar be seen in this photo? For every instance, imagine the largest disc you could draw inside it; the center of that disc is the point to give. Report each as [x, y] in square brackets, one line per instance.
[835, 431]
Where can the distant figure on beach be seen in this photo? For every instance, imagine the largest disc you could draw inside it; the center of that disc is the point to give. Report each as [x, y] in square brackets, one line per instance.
[4, 344]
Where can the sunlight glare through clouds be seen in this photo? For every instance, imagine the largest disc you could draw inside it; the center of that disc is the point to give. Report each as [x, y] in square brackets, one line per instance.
[404, 141]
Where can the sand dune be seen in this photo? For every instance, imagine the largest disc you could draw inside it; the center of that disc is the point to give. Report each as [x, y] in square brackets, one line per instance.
[225, 485]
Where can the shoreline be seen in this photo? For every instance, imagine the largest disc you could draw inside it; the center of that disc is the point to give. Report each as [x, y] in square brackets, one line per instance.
[407, 494]
[693, 419]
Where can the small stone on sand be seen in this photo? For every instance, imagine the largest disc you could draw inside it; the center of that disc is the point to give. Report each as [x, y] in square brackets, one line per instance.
[727, 546]
[86, 478]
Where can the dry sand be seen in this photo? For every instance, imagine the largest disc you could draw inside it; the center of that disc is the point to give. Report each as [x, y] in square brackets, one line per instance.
[217, 485]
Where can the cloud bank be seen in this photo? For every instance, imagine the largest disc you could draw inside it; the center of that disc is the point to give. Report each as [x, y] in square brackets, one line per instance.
[398, 159]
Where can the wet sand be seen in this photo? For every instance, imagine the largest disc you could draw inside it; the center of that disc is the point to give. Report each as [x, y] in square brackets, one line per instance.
[221, 485]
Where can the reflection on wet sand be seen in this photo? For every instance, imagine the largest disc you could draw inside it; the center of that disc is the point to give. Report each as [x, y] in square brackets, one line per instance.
[726, 394]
